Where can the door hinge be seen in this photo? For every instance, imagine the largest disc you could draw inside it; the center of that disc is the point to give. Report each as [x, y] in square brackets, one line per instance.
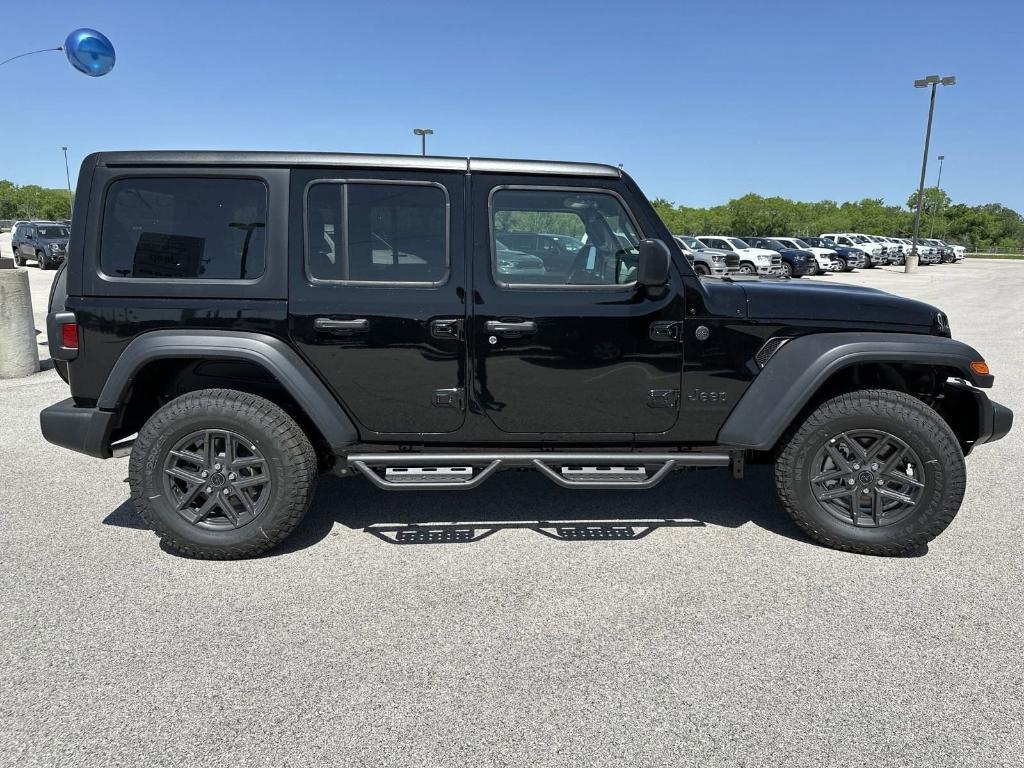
[665, 330]
[663, 398]
[448, 398]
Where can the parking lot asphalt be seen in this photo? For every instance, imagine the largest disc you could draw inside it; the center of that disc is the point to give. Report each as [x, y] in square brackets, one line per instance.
[730, 641]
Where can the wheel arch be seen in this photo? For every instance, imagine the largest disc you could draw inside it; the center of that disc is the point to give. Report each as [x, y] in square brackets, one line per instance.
[161, 363]
[809, 369]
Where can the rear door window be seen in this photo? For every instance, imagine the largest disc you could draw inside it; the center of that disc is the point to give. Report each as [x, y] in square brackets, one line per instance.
[376, 232]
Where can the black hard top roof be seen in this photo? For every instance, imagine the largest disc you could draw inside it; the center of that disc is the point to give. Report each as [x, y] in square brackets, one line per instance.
[353, 160]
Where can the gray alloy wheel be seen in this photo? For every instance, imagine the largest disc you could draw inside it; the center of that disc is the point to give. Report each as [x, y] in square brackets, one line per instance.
[222, 474]
[787, 270]
[41, 258]
[873, 471]
[746, 268]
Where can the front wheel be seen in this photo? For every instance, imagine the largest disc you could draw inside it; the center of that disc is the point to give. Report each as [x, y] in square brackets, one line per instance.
[41, 258]
[787, 270]
[221, 474]
[701, 269]
[746, 268]
[873, 471]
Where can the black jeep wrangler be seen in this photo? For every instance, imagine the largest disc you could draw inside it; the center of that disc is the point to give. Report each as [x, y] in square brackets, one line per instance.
[242, 321]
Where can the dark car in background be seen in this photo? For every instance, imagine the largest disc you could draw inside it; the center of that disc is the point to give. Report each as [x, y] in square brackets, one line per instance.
[795, 263]
[45, 242]
[556, 251]
[854, 258]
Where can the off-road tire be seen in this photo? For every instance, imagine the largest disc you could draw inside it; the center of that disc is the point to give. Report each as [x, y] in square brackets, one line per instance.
[291, 460]
[904, 417]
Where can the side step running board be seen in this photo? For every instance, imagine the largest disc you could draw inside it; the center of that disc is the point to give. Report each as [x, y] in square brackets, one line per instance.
[464, 471]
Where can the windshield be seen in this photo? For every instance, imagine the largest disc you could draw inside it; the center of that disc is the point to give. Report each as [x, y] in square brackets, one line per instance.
[52, 233]
[859, 239]
[735, 242]
[801, 244]
[691, 242]
[777, 245]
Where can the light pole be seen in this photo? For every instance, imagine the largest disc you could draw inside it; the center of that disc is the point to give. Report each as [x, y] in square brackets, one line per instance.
[67, 173]
[423, 133]
[932, 80]
[938, 186]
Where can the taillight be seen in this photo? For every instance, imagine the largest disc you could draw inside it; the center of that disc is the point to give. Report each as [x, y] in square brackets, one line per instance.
[69, 335]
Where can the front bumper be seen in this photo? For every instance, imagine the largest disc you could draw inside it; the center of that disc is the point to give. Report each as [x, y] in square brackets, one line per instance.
[975, 419]
[879, 259]
[85, 430]
[768, 269]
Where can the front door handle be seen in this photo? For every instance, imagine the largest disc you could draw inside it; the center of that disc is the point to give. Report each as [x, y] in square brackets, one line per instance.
[519, 328]
[446, 328]
[329, 325]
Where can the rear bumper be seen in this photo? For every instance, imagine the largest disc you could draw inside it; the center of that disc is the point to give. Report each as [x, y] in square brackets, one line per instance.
[85, 430]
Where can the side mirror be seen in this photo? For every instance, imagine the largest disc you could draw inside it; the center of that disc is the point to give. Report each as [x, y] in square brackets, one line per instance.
[653, 263]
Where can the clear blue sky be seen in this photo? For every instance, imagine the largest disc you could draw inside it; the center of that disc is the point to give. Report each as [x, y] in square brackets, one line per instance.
[701, 101]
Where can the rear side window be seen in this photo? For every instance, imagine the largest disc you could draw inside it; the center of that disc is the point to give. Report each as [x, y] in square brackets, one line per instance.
[184, 228]
[374, 232]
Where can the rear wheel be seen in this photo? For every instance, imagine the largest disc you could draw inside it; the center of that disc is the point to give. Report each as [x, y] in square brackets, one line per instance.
[221, 474]
[872, 471]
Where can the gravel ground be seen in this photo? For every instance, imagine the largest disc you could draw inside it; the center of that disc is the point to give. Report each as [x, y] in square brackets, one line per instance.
[734, 641]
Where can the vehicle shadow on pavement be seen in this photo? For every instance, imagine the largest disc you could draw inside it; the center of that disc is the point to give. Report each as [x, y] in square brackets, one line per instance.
[514, 501]
[526, 500]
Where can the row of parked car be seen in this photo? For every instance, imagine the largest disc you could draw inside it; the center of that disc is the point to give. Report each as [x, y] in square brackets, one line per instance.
[799, 256]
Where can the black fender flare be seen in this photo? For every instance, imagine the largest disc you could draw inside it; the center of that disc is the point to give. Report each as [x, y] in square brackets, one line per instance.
[268, 352]
[801, 366]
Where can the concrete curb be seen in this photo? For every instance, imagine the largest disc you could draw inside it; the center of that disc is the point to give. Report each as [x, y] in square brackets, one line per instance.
[19, 355]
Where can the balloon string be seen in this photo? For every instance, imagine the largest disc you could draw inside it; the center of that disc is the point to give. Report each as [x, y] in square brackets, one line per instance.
[41, 50]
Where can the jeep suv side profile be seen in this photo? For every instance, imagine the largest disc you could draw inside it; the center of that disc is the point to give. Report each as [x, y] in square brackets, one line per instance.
[44, 242]
[240, 322]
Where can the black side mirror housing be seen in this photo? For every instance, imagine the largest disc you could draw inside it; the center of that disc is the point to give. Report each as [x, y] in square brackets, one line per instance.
[653, 263]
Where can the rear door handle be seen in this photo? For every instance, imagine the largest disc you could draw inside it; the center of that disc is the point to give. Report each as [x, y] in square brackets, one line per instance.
[519, 328]
[329, 325]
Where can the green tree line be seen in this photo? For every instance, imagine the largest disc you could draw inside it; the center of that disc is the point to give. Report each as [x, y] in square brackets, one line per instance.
[975, 226]
[33, 202]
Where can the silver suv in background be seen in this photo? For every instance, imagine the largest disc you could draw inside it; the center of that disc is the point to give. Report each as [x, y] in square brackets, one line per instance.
[707, 261]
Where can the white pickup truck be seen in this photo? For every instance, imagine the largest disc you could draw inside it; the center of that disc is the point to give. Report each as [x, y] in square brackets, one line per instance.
[759, 261]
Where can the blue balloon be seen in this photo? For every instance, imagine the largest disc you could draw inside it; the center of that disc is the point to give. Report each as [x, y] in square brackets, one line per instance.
[90, 52]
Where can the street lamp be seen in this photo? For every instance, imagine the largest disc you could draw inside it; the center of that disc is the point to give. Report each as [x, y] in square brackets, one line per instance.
[938, 186]
[67, 173]
[423, 133]
[930, 80]
[88, 51]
